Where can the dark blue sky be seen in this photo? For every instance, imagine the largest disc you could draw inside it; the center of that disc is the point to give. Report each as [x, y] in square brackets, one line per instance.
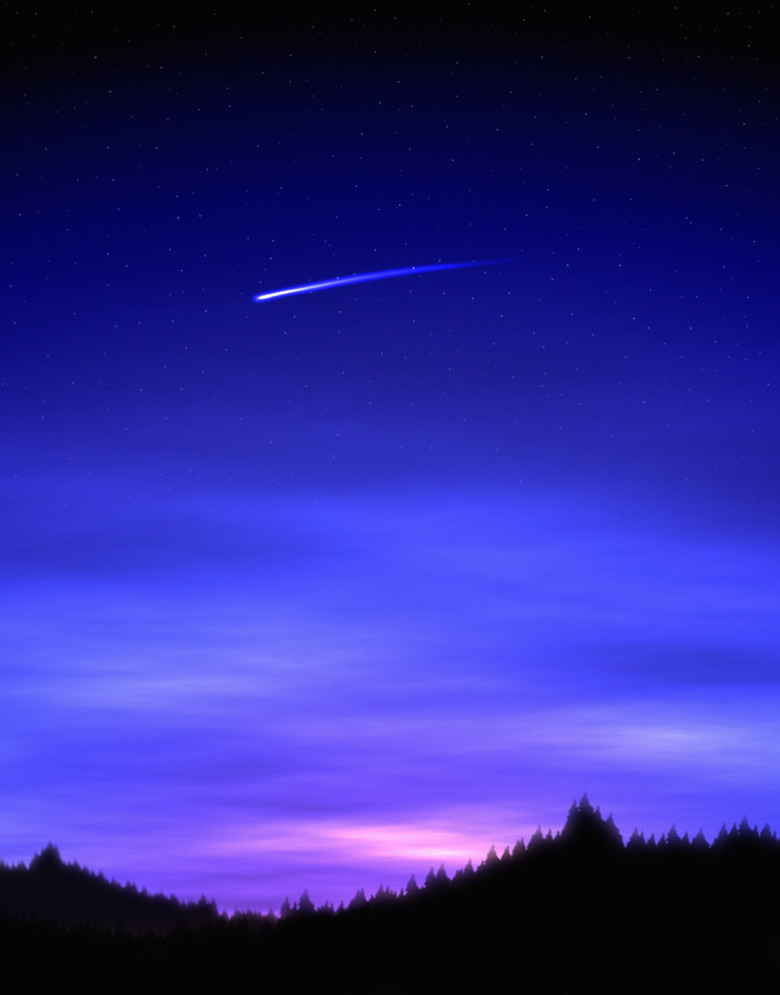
[318, 591]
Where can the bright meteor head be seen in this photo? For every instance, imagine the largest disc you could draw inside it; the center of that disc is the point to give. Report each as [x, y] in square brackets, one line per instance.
[383, 274]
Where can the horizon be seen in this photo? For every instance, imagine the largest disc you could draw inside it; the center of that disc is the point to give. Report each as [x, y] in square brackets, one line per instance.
[320, 592]
[650, 838]
[671, 908]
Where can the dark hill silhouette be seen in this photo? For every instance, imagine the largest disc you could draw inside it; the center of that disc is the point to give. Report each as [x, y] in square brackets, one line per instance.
[72, 896]
[563, 913]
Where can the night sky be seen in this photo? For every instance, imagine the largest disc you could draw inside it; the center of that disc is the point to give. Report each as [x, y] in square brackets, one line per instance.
[319, 591]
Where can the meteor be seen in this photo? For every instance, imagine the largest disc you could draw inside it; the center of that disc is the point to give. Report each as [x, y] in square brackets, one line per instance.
[383, 274]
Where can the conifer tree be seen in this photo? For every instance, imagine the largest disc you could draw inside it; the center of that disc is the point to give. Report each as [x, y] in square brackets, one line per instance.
[359, 901]
[441, 876]
[305, 904]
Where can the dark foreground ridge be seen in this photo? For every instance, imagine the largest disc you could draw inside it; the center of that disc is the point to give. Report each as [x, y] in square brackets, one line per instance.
[564, 913]
[69, 895]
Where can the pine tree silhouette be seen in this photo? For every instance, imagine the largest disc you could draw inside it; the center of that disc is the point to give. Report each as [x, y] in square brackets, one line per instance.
[586, 832]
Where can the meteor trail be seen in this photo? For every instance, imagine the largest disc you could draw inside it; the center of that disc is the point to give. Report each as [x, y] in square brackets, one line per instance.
[383, 274]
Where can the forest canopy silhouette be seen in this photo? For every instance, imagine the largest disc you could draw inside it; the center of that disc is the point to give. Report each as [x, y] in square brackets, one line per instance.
[675, 913]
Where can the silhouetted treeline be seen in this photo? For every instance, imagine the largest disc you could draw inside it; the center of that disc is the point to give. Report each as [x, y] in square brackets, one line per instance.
[562, 913]
[73, 896]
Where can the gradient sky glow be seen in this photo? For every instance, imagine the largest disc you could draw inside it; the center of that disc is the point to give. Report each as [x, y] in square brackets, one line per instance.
[321, 594]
